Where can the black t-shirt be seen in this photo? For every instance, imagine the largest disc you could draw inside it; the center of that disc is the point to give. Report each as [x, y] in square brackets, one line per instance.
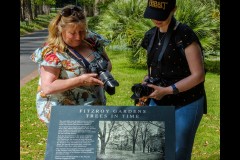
[173, 66]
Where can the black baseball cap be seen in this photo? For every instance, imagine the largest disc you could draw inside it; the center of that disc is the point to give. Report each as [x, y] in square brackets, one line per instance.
[159, 9]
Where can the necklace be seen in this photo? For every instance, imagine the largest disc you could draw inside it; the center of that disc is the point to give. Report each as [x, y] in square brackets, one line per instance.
[160, 40]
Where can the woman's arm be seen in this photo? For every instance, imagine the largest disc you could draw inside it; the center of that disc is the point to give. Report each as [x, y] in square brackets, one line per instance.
[50, 83]
[196, 65]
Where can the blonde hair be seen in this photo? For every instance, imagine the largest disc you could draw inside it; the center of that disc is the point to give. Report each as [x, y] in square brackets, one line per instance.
[57, 25]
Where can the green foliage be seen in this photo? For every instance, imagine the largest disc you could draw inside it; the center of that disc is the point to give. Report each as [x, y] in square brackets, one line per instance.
[123, 23]
[116, 22]
[86, 2]
[92, 22]
[46, 2]
[212, 65]
[102, 5]
[33, 132]
[204, 19]
[39, 23]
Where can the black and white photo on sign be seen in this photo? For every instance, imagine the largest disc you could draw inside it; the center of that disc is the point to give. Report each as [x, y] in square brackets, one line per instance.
[131, 140]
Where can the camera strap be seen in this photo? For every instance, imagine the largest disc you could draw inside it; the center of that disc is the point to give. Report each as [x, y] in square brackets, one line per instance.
[172, 26]
[78, 57]
[167, 39]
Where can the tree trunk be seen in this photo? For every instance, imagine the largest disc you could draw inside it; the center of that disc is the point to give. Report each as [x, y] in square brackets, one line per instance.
[133, 151]
[46, 9]
[21, 11]
[29, 6]
[144, 145]
[35, 10]
[95, 9]
[27, 10]
[24, 10]
[102, 146]
[89, 10]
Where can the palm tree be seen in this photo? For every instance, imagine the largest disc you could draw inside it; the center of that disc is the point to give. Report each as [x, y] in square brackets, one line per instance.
[123, 23]
[204, 18]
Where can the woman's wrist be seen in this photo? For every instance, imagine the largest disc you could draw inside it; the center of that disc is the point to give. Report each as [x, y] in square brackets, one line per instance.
[169, 90]
[174, 89]
[81, 80]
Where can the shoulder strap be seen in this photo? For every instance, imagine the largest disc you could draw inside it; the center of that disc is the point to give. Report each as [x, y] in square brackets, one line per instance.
[172, 26]
[79, 58]
[152, 40]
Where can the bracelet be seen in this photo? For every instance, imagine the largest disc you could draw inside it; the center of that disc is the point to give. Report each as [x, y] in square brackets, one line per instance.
[175, 89]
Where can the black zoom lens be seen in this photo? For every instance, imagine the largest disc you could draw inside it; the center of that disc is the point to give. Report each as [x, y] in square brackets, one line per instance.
[140, 90]
[109, 82]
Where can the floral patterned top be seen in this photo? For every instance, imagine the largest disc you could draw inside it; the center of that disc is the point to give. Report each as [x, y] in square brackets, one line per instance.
[90, 95]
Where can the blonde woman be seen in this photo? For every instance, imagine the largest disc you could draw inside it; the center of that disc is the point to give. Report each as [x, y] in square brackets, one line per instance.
[64, 62]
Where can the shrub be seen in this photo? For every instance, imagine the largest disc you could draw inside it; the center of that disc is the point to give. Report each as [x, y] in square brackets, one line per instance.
[212, 65]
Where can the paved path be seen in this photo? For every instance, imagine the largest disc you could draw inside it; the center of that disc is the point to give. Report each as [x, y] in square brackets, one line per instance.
[28, 43]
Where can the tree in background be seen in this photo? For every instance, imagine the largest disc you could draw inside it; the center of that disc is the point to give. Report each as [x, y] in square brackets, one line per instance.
[204, 18]
[62, 3]
[91, 7]
[104, 134]
[30, 9]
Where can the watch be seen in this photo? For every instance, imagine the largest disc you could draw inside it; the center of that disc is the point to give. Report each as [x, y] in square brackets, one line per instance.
[175, 89]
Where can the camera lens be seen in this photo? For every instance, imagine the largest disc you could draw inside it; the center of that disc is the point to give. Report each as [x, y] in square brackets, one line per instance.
[109, 82]
[140, 90]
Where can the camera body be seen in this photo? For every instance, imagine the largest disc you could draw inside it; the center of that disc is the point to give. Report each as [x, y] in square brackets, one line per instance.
[140, 90]
[100, 67]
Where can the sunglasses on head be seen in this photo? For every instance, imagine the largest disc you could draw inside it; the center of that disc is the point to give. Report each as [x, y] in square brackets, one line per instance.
[72, 11]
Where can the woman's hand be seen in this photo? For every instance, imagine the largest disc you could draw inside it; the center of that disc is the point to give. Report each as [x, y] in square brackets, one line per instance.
[159, 92]
[50, 82]
[89, 79]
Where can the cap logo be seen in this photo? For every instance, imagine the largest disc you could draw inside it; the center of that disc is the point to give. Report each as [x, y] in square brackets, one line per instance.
[157, 4]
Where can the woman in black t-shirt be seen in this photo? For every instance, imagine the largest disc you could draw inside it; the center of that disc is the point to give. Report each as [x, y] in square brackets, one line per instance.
[181, 68]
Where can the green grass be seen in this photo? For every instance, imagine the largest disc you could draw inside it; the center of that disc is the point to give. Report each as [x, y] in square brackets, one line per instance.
[207, 142]
[33, 132]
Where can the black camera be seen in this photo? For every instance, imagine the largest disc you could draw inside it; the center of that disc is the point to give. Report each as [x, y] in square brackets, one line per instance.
[100, 67]
[140, 90]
